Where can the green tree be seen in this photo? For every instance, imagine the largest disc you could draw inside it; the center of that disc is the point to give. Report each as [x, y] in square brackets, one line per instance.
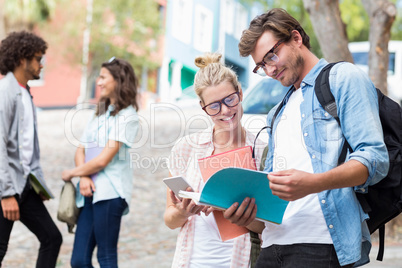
[330, 19]
[297, 10]
[125, 29]
[23, 15]
[396, 30]
[356, 20]
[119, 28]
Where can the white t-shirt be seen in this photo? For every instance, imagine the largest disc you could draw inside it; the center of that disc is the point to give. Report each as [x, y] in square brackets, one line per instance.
[27, 128]
[207, 239]
[303, 221]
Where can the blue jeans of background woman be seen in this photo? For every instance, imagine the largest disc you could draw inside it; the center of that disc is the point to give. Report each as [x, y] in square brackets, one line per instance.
[98, 225]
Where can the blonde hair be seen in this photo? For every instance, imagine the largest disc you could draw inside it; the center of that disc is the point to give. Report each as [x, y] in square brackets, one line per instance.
[212, 73]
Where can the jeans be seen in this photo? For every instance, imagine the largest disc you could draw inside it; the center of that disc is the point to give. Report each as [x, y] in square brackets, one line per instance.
[300, 256]
[98, 225]
[34, 215]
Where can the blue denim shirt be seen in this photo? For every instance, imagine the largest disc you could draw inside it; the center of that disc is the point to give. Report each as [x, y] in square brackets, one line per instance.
[357, 103]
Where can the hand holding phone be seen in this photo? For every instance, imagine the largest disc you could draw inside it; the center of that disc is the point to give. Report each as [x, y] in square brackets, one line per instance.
[176, 184]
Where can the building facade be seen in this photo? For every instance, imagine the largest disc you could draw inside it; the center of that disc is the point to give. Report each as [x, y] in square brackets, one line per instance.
[194, 27]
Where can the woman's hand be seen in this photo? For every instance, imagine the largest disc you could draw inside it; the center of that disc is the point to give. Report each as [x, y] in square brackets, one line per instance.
[87, 186]
[66, 175]
[179, 210]
[185, 206]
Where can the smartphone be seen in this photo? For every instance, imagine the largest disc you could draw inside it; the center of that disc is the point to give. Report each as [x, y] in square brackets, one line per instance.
[176, 184]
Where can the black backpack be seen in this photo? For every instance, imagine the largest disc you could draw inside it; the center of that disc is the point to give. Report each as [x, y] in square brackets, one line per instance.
[383, 201]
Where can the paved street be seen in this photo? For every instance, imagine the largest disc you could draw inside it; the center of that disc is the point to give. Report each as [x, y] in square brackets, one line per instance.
[144, 239]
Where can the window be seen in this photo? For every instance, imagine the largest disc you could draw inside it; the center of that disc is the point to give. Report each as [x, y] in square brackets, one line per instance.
[203, 29]
[182, 20]
[229, 10]
[241, 20]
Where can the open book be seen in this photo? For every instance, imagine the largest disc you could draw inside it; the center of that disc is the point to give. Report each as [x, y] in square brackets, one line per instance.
[240, 157]
[231, 185]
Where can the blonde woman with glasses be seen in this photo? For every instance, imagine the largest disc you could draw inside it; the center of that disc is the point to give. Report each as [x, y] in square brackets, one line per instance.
[199, 243]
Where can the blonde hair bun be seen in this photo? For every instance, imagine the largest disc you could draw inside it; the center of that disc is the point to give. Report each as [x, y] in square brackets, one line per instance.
[208, 58]
[212, 72]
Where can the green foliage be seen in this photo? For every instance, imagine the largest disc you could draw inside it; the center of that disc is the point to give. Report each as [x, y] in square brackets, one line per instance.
[353, 15]
[297, 10]
[263, 3]
[396, 30]
[124, 29]
[358, 24]
[356, 19]
[25, 14]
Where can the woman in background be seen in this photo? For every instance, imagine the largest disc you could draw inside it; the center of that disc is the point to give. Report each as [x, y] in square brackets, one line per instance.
[102, 163]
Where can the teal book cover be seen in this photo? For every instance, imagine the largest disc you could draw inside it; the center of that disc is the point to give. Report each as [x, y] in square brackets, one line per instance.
[231, 185]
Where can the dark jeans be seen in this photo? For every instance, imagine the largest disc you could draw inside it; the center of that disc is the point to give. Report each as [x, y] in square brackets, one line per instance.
[98, 225]
[300, 256]
[34, 215]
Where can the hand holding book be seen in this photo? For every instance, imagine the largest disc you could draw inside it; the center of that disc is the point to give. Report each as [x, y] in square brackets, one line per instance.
[240, 157]
[231, 185]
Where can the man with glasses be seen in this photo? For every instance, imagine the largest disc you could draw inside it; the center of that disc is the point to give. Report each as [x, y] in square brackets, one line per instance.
[20, 61]
[324, 225]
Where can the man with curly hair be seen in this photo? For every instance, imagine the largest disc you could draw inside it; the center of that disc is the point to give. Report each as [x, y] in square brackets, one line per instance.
[20, 61]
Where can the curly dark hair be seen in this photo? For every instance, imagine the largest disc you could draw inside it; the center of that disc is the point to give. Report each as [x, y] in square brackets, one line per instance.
[276, 20]
[126, 89]
[17, 46]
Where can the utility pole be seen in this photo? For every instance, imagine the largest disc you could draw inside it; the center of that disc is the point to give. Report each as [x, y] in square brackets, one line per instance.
[85, 54]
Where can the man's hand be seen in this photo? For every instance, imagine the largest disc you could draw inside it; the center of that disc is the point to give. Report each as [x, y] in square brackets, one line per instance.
[241, 215]
[293, 184]
[11, 210]
[87, 186]
[43, 197]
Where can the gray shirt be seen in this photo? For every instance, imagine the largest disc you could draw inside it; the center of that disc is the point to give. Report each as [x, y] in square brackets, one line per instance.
[12, 179]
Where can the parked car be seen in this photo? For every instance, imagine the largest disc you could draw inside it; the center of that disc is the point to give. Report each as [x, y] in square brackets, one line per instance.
[359, 52]
[258, 101]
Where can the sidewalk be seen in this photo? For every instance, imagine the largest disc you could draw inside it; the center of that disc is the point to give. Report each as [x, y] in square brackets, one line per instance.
[392, 257]
[145, 241]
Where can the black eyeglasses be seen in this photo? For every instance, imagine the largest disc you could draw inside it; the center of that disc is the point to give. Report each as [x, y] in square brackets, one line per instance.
[214, 108]
[270, 58]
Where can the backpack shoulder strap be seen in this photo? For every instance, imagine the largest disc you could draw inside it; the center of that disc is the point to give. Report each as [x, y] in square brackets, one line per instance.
[273, 118]
[292, 88]
[324, 95]
[256, 137]
[323, 92]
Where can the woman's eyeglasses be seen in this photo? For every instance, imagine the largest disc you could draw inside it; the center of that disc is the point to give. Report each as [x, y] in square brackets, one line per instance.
[214, 108]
